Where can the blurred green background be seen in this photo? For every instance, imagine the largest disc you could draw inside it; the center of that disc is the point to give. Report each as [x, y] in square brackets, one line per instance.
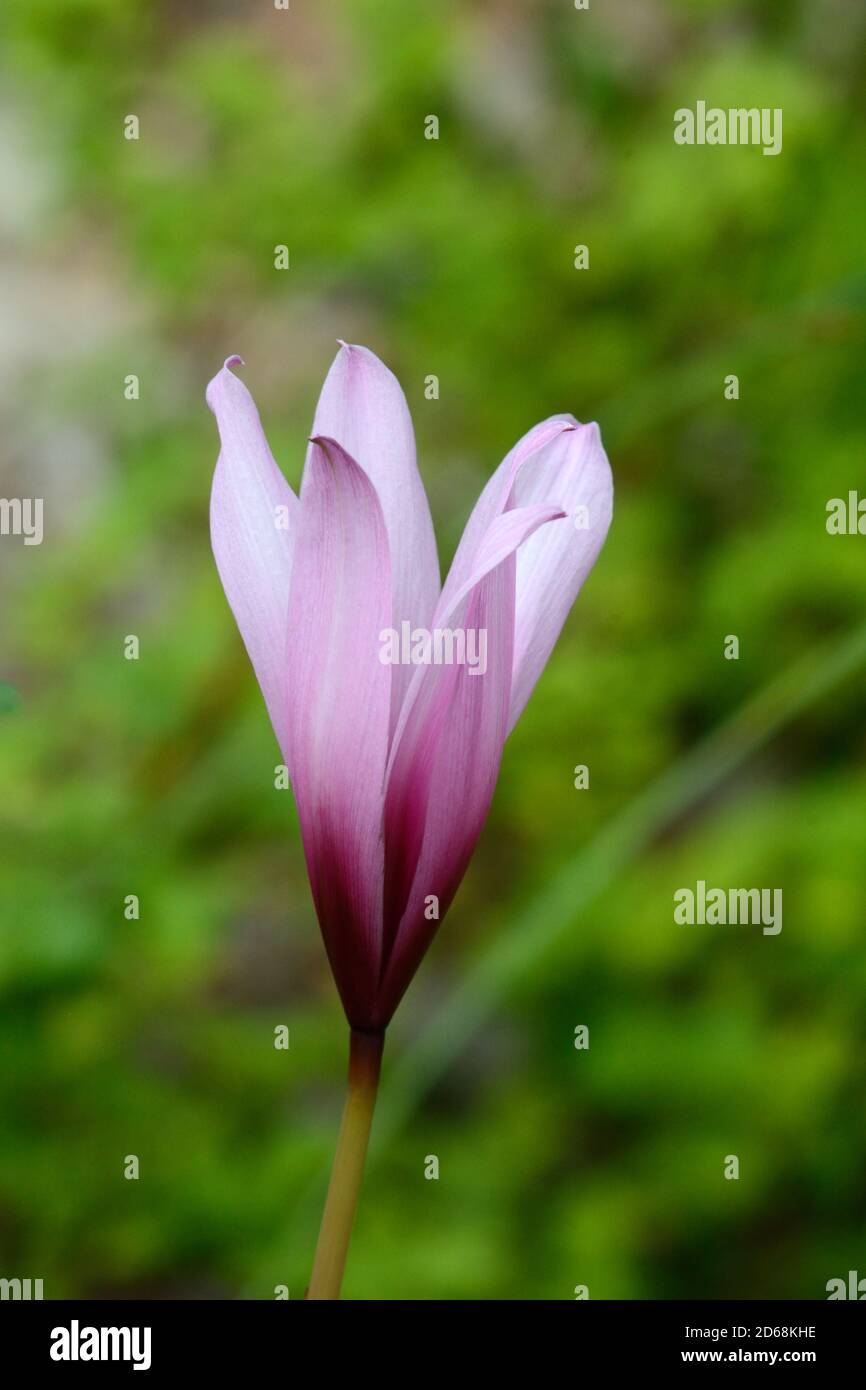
[154, 1037]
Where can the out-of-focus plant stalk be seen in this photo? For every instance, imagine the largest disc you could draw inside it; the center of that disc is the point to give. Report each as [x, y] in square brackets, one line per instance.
[365, 1061]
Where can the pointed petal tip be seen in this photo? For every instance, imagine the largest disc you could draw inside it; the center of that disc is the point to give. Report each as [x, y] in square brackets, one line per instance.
[572, 424]
[357, 354]
[331, 448]
[217, 380]
[584, 429]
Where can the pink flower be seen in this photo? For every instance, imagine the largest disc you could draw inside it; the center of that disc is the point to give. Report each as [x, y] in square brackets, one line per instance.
[393, 765]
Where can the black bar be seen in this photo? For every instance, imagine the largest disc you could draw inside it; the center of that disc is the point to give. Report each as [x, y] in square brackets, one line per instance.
[227, 1337]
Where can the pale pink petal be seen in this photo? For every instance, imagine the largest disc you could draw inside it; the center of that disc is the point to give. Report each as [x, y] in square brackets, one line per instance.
[446, 755]
[363, 406]
[573, 471]
[496, 496]
[339, 603]
[253, 516]
[560, 462]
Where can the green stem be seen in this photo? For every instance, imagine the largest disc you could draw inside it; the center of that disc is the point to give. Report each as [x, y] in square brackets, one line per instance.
[365, 1060]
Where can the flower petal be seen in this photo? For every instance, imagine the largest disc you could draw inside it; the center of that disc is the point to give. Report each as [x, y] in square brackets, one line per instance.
[340, 600]
[551, 568]
[559, 461]
[497, 495]
[363, 406]
[446, 755]
[253, 515]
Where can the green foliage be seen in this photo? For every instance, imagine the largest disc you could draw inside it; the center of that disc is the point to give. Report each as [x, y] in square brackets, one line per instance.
[155, 777]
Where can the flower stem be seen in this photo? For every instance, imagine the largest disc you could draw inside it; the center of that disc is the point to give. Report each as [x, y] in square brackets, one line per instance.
[365, 1060]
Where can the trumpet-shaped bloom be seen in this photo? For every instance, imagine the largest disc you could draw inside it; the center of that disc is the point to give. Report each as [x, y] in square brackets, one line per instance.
[394, 762]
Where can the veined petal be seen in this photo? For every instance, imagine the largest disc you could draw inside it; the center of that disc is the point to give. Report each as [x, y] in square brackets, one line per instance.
[363, 406]
[552, 566]
[339, 603]
[559, 461]
[253, 517]
[446, 754]
[497, 495]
